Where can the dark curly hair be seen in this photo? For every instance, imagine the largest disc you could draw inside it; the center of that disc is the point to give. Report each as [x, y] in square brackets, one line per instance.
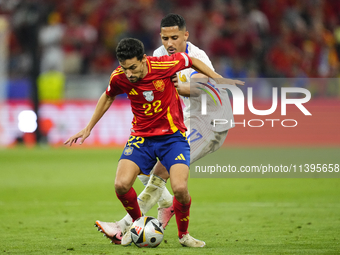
[129, 48]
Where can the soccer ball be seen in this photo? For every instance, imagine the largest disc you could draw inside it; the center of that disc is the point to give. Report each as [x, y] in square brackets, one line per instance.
[147, 231]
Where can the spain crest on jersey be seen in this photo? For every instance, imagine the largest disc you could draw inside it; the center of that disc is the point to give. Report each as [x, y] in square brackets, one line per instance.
[148, 95]
[159, 85]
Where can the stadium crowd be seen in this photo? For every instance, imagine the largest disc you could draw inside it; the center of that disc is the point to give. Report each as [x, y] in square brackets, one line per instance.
[263, 38]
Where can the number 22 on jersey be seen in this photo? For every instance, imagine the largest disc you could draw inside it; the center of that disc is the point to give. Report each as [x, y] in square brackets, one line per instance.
[150, 109]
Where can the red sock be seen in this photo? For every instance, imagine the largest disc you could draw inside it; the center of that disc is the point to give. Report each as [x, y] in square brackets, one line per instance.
[182, 212]
[129, 201]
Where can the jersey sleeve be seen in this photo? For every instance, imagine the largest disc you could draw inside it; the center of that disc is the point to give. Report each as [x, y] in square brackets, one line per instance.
[113, 88]
[201, 55]
[169, 65]
[160, 51]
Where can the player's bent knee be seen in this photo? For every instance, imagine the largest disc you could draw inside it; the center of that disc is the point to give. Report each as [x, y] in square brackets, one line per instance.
[126, 174]
[122, 187]
[180, 190]
[181, 193]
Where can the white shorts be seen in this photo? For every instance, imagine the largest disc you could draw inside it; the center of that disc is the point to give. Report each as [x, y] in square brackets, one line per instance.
[202, 140]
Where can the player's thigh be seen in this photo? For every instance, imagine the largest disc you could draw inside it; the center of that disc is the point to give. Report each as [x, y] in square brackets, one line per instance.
[200, 138]
[203, 140]
[161, 171]
[179, 174]
[212, 142]
[126, 175]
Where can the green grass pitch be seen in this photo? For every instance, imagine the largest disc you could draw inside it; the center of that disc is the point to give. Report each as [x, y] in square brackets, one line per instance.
[50, 199]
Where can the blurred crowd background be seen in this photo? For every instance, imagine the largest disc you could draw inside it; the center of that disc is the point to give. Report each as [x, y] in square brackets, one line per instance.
[244, 39]
[56, 57]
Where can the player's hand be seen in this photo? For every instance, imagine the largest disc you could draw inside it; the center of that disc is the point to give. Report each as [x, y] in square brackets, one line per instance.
[82, 134]
[174, 79]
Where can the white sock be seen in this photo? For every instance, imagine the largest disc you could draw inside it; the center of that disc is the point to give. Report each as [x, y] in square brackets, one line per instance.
[151, 194]
[144, 179]
[165, 200]
[125, 223]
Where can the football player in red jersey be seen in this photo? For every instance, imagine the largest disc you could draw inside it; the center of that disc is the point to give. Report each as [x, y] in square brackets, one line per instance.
[157, 130]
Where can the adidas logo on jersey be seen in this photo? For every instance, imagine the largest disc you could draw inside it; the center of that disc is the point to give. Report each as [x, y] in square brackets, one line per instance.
[133, 92]
[180, 157]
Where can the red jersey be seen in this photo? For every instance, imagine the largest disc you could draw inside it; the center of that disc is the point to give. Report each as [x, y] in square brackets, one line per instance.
[154, 99]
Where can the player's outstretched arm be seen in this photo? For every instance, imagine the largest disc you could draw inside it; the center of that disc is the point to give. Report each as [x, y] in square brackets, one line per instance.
[201, 67]
[184, 89]
[189, 89]
[103, 105]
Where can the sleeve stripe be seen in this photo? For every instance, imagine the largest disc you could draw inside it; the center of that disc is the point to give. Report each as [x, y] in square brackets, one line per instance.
[149, 66]
[114, 74]
[159, 67]
[161, 62]
[186, 59]
[193, 73]
[165, 64]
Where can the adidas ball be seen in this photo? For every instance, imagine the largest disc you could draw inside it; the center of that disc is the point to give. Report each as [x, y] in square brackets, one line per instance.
[147, 231]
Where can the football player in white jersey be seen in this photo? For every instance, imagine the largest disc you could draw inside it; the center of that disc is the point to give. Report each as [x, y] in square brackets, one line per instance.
[203, 137]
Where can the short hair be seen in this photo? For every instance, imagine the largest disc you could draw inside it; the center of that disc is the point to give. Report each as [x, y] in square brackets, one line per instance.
[172, 20]
[129, 48]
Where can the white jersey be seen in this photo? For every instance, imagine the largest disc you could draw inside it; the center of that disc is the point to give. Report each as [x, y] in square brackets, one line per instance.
[214, 108]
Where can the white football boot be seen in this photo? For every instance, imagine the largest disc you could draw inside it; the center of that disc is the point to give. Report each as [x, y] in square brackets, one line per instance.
[188, 241]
